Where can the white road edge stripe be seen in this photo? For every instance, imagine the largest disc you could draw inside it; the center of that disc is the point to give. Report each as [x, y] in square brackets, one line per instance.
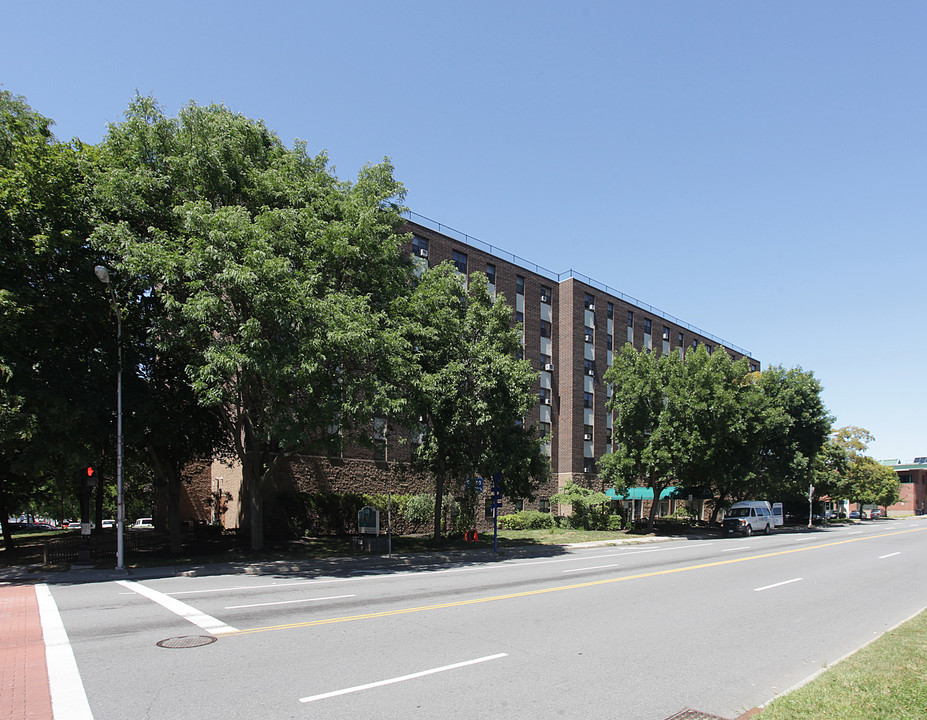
[742, 547]
[594, 567]
[882, 557]
[69, 700]
[778, 584]
[288, 602]
[368, 686]
[187, 612]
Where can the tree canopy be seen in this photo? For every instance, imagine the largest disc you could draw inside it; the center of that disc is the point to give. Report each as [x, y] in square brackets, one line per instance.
[707, 422]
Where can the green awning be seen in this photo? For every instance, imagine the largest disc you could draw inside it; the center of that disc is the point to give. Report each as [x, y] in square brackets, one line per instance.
[646, 493]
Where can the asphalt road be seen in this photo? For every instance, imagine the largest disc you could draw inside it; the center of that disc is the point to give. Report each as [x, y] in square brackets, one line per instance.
[630, 632]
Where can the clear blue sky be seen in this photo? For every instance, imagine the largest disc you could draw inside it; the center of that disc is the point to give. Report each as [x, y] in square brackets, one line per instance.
[757, 169]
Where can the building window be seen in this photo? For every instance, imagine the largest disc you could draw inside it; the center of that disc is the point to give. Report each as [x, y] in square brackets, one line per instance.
[682, 342]
[608, 342]
[630, 318]
[587, 400]
[460, 261]
[544, 429]
[666, 334]
[648, 326]
[545, 294]
[588, 334]
[487, 512]
[588, 465]
[544, 505]
[710, 348]
[544, 395]
[519, 505]
[519, 285]
[905, 479]
[545, 361]
[545, 328]
[695, 344]
[589, 302]
[419, 246]
[589, 367]
[587, 433]
[753, 367]
[609, 311]
[491, 273]
[519, 317]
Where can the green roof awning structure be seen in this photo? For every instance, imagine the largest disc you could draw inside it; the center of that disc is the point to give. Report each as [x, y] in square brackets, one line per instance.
[646, 493]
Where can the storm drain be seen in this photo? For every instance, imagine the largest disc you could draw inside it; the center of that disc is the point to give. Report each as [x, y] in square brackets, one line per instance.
[187, 641]
[693, 715]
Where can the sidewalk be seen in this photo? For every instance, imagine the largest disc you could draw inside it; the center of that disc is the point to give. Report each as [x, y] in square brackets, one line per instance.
[23, 672]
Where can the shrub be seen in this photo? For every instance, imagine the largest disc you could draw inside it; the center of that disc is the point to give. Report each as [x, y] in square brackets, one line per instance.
[615, 522]
[527, 520]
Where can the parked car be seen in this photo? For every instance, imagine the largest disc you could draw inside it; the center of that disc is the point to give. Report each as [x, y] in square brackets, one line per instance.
[107, 524]
[143, 524]
[857, 515]
[877, 513]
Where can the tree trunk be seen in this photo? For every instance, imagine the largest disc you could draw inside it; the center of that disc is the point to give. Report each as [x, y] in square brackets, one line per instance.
[173, 510]
[4, 523]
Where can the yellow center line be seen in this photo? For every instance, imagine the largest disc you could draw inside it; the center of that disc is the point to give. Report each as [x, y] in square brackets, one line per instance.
[559, 588]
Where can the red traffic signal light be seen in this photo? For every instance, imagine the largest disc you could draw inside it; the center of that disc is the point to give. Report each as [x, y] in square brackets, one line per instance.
[89, 472]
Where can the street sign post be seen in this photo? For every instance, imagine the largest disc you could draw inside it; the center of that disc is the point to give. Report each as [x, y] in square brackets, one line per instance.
[496, 505]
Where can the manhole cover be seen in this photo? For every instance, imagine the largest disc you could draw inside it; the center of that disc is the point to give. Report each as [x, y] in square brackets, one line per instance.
[187, 641]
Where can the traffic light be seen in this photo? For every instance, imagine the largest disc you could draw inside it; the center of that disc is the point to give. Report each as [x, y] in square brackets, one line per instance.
[90, 472]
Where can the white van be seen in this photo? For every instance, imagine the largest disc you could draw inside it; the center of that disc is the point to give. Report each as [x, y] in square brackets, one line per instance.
[752, 516]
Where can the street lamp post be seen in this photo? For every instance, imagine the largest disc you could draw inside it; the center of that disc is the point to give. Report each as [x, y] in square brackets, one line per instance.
[103, 274]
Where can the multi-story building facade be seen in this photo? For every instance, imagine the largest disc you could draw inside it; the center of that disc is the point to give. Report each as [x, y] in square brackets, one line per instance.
[912, 487]
[572, 325]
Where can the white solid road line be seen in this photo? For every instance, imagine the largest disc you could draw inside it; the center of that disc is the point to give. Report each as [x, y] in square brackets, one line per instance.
[288, 602]
[594, 567]
[380, 683]
[778, 584]
[69, 700]
[882, 557]
[200, 619]
[742, 547]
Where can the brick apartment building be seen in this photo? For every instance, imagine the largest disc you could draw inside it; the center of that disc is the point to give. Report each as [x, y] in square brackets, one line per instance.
[572, 325]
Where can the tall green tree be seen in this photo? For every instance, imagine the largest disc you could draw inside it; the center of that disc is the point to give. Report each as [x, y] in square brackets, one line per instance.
[846, 472]
[650, 448]
[469, 392]
[275, 276]
[52, 313]
[708, 423]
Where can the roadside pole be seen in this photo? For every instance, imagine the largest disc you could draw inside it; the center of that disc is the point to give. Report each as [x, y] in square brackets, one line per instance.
[810, 506]
[496, 504]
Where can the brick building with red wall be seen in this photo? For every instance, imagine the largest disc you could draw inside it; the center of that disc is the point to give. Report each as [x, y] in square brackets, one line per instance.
[572, 325]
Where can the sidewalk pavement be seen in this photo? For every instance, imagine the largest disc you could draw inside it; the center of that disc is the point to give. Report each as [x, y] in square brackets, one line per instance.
[24, 690]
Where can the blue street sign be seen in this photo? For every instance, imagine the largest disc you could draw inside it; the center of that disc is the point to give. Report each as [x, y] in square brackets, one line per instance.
[477, 483]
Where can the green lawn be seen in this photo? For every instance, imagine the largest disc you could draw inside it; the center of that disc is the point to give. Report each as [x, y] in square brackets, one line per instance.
[886, 680]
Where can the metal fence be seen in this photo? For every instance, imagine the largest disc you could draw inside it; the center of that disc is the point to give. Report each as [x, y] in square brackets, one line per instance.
[65, 549]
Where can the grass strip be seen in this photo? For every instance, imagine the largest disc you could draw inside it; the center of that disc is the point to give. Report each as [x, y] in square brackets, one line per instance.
[886, 680]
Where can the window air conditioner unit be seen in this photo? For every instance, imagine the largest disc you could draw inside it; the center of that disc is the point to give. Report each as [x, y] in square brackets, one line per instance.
[587, 337]
[590, 307]
[590, 372]
[545, 401]
[549, 367]
[423, 252]
[545, 298]
[587, 436]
